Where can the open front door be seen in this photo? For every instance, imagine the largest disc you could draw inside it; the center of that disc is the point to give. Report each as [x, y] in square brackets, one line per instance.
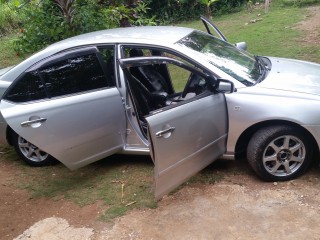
[189, 130]
[186, 139]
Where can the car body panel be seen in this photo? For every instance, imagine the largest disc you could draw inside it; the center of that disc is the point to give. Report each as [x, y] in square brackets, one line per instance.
[184, 137]
[198, 138]
[4, 70]
[86, 127]
[166, 36]
[293, 76]
[78, 129]
[253, 105]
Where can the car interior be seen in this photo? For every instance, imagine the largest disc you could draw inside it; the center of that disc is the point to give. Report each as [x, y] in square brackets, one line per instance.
[155, 86]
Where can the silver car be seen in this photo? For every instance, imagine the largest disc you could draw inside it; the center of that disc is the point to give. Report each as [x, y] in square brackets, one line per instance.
[181, 95]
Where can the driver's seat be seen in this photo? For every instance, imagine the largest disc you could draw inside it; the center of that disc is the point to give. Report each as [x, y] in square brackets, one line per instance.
[148, 75]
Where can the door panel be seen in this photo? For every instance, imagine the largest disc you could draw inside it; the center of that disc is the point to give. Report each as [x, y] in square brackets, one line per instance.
[76, 130]
[187, 138]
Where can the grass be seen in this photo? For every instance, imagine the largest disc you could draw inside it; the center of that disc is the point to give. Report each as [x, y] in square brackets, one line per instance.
[124, 183]
[274, 34]
[8, 55]
[121, 182]
[103, 181]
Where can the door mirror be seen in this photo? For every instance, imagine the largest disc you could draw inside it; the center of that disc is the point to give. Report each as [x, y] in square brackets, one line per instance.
[242, 46]
[225, 86]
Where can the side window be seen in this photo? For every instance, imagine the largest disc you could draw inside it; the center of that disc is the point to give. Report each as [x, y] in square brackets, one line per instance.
[28, 88]
[107, 54]
[73, 75]
[172, 77]
[150, 91]
[179, 77]
[169, 78]
[160, 80]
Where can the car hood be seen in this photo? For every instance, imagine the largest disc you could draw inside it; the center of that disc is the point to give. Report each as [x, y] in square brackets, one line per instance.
[293, 75]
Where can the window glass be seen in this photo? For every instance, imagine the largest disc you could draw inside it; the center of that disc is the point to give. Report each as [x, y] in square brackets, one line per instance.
[107, 54]
[150, 91]
[239, 64]
[174, 76]
[73, 75]
[28, 88]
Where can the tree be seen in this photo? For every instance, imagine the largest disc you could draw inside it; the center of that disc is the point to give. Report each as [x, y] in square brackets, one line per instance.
[208, 4]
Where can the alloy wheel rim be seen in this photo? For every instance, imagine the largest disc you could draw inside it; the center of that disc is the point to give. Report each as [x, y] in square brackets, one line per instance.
[30, 151]
[284, 155]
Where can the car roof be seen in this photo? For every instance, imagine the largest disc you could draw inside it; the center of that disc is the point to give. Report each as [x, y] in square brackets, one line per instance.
[151, 34]
[156, 35]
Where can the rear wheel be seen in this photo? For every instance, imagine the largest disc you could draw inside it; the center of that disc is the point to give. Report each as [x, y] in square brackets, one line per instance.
[279, 153]
[31, 154]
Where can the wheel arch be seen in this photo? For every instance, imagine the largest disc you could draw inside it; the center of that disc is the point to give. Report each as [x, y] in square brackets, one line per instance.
[243, 140]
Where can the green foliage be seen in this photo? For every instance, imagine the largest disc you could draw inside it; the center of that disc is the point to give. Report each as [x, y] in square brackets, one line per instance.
[121, 183]
[124, 16]
[9, 17]
[208, 4]
[42, 25]
[168, 11]
[8, 55]
[51, 21]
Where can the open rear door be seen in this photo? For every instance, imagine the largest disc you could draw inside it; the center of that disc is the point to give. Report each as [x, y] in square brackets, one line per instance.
[83, 119]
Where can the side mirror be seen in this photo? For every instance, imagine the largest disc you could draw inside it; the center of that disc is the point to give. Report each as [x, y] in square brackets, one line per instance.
[242, 46]
[225, 86]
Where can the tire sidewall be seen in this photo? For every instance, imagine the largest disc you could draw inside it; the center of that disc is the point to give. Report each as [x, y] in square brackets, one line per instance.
[255, 156]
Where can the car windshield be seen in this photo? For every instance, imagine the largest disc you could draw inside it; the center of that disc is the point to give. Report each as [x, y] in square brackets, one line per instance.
[239, 64]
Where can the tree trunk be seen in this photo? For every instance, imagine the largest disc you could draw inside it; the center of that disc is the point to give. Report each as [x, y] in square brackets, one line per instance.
[208, 12]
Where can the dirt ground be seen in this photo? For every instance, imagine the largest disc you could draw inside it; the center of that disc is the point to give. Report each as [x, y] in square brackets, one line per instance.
[238, 207]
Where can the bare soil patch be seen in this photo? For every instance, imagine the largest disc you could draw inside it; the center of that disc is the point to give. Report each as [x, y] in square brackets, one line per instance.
[239, 207]
[19, 210]
[311, 25]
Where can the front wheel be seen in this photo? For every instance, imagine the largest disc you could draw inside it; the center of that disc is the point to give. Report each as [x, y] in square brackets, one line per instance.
[279, 153]
[31, 154]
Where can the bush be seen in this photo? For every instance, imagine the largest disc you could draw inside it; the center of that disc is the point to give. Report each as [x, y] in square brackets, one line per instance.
[9, 18]
[227, 6]
[51, 21]
[41, 26]
[168, 11]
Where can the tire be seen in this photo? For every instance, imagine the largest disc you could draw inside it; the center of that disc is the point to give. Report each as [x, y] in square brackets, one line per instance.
[279, 153]
[31, 154]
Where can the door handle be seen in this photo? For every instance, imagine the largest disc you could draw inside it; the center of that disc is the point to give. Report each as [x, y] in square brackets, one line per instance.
[163, 132]
[30, 122]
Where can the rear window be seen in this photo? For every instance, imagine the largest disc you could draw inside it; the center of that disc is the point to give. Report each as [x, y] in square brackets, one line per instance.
[63, 77]
[73, 75]
[28, 88]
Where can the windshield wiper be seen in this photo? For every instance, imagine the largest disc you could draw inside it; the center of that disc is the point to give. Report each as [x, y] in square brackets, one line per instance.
[262, 69]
